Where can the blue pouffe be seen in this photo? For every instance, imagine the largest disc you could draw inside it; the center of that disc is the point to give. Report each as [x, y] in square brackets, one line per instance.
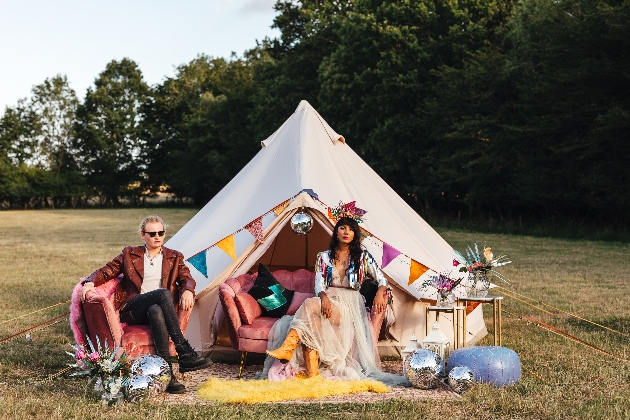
[499, 366]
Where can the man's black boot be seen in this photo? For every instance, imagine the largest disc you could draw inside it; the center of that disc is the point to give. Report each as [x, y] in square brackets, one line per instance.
[174, 386]
[189, 360]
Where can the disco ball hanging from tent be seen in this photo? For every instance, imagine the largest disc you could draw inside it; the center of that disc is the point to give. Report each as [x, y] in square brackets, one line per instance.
[301, 223]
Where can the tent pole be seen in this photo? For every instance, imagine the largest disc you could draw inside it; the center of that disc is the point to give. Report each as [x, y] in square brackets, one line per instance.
[306, 253]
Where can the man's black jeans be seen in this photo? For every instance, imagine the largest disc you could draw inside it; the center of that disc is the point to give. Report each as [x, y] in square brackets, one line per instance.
[155, 308]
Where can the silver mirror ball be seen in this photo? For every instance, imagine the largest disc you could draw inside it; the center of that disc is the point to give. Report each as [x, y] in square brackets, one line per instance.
[424, 369]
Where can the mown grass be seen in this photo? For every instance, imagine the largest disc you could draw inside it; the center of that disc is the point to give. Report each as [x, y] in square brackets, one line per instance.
[45, 252]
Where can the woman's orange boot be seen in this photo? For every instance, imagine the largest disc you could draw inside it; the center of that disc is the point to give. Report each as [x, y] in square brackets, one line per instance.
[312, 362]
[285, 351]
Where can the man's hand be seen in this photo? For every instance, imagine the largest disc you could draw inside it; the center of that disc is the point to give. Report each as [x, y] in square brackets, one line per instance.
[187, 301]
[86, 288]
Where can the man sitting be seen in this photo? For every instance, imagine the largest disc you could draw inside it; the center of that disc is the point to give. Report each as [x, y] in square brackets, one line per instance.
[155, 283]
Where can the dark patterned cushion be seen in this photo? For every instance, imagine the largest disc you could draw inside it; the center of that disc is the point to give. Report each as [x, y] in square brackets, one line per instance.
[273, 298]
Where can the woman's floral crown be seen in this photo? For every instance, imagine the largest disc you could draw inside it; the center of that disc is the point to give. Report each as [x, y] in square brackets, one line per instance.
[346, 210]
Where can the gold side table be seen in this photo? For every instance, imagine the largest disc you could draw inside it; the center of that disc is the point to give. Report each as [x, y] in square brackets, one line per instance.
[496, 313]
[457, 311]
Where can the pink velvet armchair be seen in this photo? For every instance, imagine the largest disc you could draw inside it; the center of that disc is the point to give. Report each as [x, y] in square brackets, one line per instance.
[97, 317]
[248, 329]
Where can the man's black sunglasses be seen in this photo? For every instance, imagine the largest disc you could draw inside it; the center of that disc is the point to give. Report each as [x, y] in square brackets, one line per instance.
[152, 234]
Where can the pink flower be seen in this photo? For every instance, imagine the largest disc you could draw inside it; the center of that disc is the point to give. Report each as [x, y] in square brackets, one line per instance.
[80, 355]
[95, 356]
[455, 263]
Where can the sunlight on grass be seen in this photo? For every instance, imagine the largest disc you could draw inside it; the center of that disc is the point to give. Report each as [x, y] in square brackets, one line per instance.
[46, 252]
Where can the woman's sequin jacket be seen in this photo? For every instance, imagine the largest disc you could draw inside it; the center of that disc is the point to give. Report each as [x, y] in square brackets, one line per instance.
[357, 272]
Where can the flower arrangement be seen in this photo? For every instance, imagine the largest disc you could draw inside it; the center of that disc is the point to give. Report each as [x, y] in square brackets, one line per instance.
[101, 363]
[481, 266]
[443, 283]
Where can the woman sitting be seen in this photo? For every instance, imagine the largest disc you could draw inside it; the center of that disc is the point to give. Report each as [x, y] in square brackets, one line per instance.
[334, 326]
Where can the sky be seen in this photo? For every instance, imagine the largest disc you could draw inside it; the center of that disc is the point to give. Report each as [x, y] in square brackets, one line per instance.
[77, 38]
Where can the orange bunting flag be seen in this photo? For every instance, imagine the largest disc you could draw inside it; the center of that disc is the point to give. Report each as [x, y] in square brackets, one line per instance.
[416, 271]
[227, 245]
[281, 208]
[330, 215]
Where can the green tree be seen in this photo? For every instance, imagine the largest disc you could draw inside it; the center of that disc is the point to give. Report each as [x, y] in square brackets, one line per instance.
[107, 132]
[287, 68]
[538, 120]
[196, 128]
[54, 105]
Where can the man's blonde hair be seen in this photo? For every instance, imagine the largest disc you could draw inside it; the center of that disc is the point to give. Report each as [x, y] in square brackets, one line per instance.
[151, 219]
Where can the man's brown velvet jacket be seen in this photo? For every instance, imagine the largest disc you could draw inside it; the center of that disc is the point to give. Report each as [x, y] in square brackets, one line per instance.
[130, 263]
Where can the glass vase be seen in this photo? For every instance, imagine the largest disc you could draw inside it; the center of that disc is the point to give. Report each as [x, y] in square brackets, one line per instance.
[480, 286]
[109, 400]
[445, 300]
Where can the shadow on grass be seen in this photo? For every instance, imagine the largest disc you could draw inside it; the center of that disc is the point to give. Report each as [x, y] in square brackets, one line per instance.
[617, 324]
[233, 357]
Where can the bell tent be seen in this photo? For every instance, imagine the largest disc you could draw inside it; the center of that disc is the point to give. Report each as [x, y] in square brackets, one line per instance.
[306, 167]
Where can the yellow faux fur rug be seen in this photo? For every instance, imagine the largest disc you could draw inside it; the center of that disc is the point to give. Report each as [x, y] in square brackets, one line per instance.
[261, 391]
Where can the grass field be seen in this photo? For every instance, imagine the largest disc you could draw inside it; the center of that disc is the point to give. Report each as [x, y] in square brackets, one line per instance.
[44, 253]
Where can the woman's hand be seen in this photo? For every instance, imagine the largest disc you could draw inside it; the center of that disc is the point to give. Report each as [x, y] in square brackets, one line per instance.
[326, 305]
[379, 300]
[187, 301]
[86, 288]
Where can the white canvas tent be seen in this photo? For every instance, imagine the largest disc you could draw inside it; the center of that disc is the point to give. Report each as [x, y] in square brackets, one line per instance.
[306, 166]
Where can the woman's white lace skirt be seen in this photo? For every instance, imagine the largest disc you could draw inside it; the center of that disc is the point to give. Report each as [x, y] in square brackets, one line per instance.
[345, 341]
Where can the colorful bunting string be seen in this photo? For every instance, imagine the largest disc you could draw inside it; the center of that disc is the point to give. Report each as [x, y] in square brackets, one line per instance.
[199, 262]
[255, 228]
[416, 271]
[279, 209]
[227, 245]
[389, 254]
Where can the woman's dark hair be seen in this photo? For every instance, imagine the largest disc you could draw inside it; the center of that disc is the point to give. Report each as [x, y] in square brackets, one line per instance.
[355, 245]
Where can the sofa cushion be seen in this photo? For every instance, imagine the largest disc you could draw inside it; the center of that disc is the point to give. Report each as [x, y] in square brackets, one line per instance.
[247, 307]
[298, 299]
[272, 296]
[257, 330]
[303, 281]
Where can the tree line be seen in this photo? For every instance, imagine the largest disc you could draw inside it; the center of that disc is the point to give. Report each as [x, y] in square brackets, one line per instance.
[472, 109]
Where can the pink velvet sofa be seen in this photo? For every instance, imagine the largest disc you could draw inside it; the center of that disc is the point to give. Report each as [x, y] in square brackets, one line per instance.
[97, 317]
[247, 328]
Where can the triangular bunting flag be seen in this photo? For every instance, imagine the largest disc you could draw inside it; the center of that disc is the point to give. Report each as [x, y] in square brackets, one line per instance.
[256, 229]
[199, 262]
[227, 245]
[389, 254]
[330, 215]
[416, 271]
[281, 207]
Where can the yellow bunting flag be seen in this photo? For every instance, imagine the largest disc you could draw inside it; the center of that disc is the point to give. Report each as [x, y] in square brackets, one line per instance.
[227, 245]
[281, 208]
[416, 271]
